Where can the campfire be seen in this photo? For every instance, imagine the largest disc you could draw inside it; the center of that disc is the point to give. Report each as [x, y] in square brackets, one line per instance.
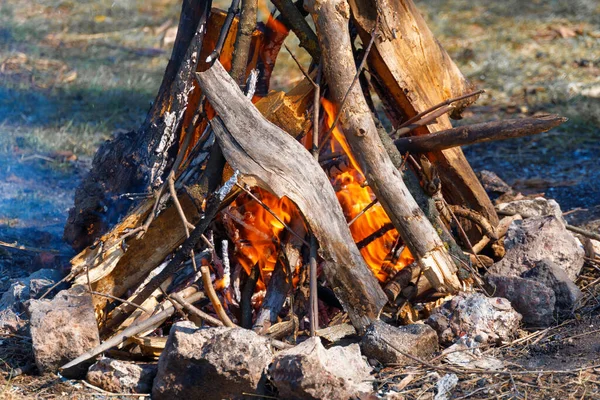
[326, 211]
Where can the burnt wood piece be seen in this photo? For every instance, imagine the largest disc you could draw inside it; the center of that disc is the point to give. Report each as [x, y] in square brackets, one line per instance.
[413, 73]
[294, 18]
[137, 161]
[249, 143]
[331, 19]
[479, 133]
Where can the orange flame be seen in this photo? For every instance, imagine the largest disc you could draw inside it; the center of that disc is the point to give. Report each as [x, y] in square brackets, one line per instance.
[354, 197]
[272, 23]
[260, 232]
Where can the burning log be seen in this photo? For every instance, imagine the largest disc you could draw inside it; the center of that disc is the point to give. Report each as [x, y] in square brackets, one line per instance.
[249, 142]
[361, 133]
[413, 72]
[383, 229]
[479, 133]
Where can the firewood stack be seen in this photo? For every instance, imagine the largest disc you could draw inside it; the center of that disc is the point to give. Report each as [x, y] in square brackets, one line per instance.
[346, 198]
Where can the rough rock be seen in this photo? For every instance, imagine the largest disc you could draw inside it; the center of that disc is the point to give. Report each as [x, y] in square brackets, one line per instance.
[309, 371]
[493, 184]
[11, 321]
[27, 288]
[533, 300]
[538, 207]
[212, 363]
[484, 319]
[121, 376]
[418, 340]
[566, 292]
[62, 329]
[531, 240]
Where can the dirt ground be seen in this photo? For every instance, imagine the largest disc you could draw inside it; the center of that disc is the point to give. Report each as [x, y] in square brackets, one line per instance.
[72, 74]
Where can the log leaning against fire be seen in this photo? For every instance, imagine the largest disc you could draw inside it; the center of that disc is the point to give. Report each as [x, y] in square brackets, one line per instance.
[412, 72]
[331, 18]
[270, 158]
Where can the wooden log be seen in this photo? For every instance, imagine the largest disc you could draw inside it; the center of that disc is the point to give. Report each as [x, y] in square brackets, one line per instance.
[331, 19]
[296, 21]
[415, 72]
[115, 268]
[249, 142]
[136, 161]
[479, 133]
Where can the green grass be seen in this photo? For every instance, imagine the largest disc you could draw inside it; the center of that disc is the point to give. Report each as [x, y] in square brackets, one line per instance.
[60, 90]
[513, 50]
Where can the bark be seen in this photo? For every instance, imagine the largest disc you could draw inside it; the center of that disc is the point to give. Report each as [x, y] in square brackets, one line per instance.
[136, 161]
[296, 21]
[331, 18]
[479, 133]
[249, 143]
[244, 38]
[416, 73]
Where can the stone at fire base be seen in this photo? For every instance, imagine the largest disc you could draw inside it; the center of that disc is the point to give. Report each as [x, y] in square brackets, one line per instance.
[484, 319]
[382, 342]
[531, 240]
[62, 329]
[529, 208]
[309, 371]
[30, 287]
[12, 303]
[533, 300]
[121, 376]
[566, 292]
[211, 363]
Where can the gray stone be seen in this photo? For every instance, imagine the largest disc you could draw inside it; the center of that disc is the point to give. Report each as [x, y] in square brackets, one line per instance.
[27, 288]
[309, 371]
[487, 319]
[533, 300]
[11, 321]
[121, 376]
[535, 239]
[213, 363]
[42, 280]
[493, 184]
[62, 329]
[538, 207]
[386, 343]
[566, 292]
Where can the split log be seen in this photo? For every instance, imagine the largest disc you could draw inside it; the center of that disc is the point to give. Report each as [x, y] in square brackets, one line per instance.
[331, 19]
[479, 133]
[249, 142]
[415, 72]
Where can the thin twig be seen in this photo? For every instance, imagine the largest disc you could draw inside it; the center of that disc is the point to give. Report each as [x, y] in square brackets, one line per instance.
[316, 110]
[426, 120]
[266, 207]
[195, 311]
[132, 330]
[109, 296]
[17, 246]
[306, 75]
[375, 235]
[214, 299]
[234, 8]
[313, 298]
[358, 72]
[443, 103]
[364, 210]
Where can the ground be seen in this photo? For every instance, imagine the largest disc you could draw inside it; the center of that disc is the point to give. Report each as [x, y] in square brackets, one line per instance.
[72, 74]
